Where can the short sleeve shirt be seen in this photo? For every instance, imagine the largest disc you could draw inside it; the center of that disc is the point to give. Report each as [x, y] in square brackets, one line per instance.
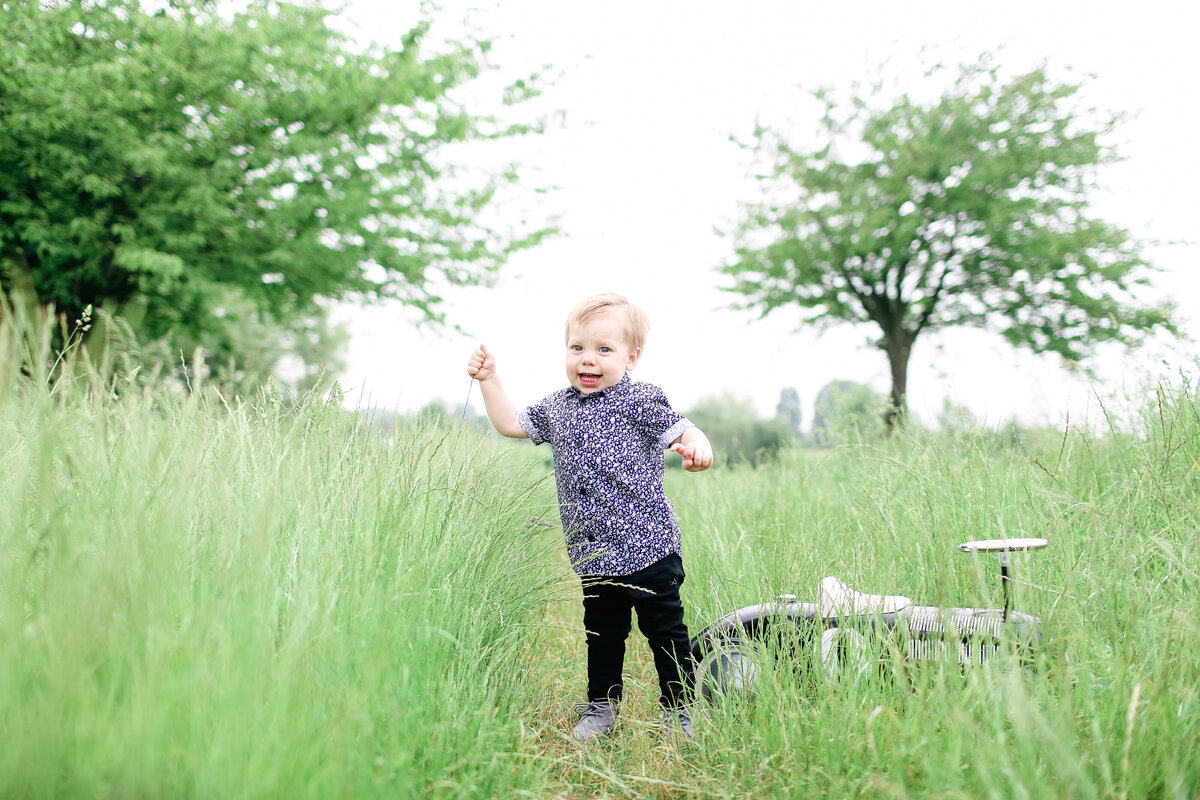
[608, 466]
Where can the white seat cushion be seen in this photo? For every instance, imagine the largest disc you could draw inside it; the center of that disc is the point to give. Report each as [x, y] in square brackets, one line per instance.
[835, 599]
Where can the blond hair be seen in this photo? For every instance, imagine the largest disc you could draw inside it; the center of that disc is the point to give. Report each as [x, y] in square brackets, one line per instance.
[637, 324]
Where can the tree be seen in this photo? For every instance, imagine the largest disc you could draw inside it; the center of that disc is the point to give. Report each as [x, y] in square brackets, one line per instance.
[201, 174]
[970, 210]
[955, 418]
[738, 434]
[788, 408]
[847, 411]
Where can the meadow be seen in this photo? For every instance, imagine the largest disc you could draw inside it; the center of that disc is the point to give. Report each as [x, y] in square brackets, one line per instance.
[203, 596]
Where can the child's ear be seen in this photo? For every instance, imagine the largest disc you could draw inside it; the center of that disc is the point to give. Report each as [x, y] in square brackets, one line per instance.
[633, 358]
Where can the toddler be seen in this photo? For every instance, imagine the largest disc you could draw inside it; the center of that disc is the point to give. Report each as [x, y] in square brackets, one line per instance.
[609, 434]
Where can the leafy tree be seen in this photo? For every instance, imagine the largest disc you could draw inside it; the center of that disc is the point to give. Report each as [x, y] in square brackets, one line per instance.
[215, 178]
[788, 409]
[737, 433]
[970, 210]
[439, 413]
[847, 411]
[956, 418]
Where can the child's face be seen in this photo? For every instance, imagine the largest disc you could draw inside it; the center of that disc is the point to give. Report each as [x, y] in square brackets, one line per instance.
[599, 353]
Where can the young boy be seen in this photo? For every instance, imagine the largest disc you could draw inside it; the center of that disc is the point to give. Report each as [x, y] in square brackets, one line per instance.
[609, 434]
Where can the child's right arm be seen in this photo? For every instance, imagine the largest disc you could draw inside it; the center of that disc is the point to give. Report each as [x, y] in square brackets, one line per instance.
[500, 410]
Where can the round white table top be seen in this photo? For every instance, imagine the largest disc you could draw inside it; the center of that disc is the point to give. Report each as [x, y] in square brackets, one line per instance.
[1002, 545]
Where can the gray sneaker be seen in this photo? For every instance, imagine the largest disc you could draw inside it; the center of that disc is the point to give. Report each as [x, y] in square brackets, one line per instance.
[677, 721]
[596, 718]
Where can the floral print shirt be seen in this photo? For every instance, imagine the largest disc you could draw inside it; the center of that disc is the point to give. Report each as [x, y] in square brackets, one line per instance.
[608, 465]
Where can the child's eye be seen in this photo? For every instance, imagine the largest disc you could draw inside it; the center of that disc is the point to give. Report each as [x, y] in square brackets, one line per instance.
[605, 350]
[576, 347]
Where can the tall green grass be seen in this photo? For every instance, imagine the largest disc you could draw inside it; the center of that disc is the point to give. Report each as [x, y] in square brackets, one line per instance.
[203, 597]
[1114, 710]
[259, 599]
[1113, 707]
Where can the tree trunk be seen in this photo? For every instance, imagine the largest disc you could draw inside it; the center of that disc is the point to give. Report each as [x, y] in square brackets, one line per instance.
[21, 292]
[898, 348]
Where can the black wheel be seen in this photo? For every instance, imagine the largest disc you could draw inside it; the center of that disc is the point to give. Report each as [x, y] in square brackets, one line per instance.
[731, 669]
[742, 653]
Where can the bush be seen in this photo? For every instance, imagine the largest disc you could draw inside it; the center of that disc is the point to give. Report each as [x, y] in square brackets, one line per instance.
[738, 435]
[846, 412]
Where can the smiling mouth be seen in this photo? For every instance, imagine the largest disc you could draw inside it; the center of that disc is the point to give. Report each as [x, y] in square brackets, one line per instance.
[588, 380]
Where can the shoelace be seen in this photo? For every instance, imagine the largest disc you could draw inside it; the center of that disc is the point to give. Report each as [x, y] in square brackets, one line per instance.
[593, 708]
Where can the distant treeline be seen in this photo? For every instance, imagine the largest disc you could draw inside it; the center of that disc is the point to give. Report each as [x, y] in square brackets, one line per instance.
[844, 412]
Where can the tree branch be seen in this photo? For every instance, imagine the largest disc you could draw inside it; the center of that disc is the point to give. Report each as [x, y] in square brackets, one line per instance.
[866, 296]
[931, 301]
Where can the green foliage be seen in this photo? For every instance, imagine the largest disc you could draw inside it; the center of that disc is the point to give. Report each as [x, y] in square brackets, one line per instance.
[846, 412]
[1114, 709]
[257, 599]
[737, 433]
[269, 598]
[971, 210]
[215, 178]
[438, 413]
[788, 409]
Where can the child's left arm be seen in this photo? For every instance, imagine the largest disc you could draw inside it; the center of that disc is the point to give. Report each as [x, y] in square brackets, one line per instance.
[695, 448]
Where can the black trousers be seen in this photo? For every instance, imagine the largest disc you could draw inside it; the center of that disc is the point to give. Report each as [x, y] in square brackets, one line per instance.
[607, 606]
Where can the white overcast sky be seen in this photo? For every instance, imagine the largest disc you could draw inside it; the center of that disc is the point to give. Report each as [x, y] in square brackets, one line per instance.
[652, 92]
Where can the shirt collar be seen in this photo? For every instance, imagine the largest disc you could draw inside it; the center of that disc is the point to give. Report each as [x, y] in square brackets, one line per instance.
[616, 389]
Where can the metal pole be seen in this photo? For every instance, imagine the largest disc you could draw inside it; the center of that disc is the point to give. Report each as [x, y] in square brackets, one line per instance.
[1002, 557]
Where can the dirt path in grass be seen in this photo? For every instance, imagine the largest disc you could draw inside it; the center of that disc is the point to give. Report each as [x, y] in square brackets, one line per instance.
[634, 761]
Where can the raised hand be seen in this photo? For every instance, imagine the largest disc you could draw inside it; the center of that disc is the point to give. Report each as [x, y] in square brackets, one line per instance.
[482, 364]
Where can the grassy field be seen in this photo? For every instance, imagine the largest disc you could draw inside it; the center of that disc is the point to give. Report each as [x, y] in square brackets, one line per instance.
[270, 598]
